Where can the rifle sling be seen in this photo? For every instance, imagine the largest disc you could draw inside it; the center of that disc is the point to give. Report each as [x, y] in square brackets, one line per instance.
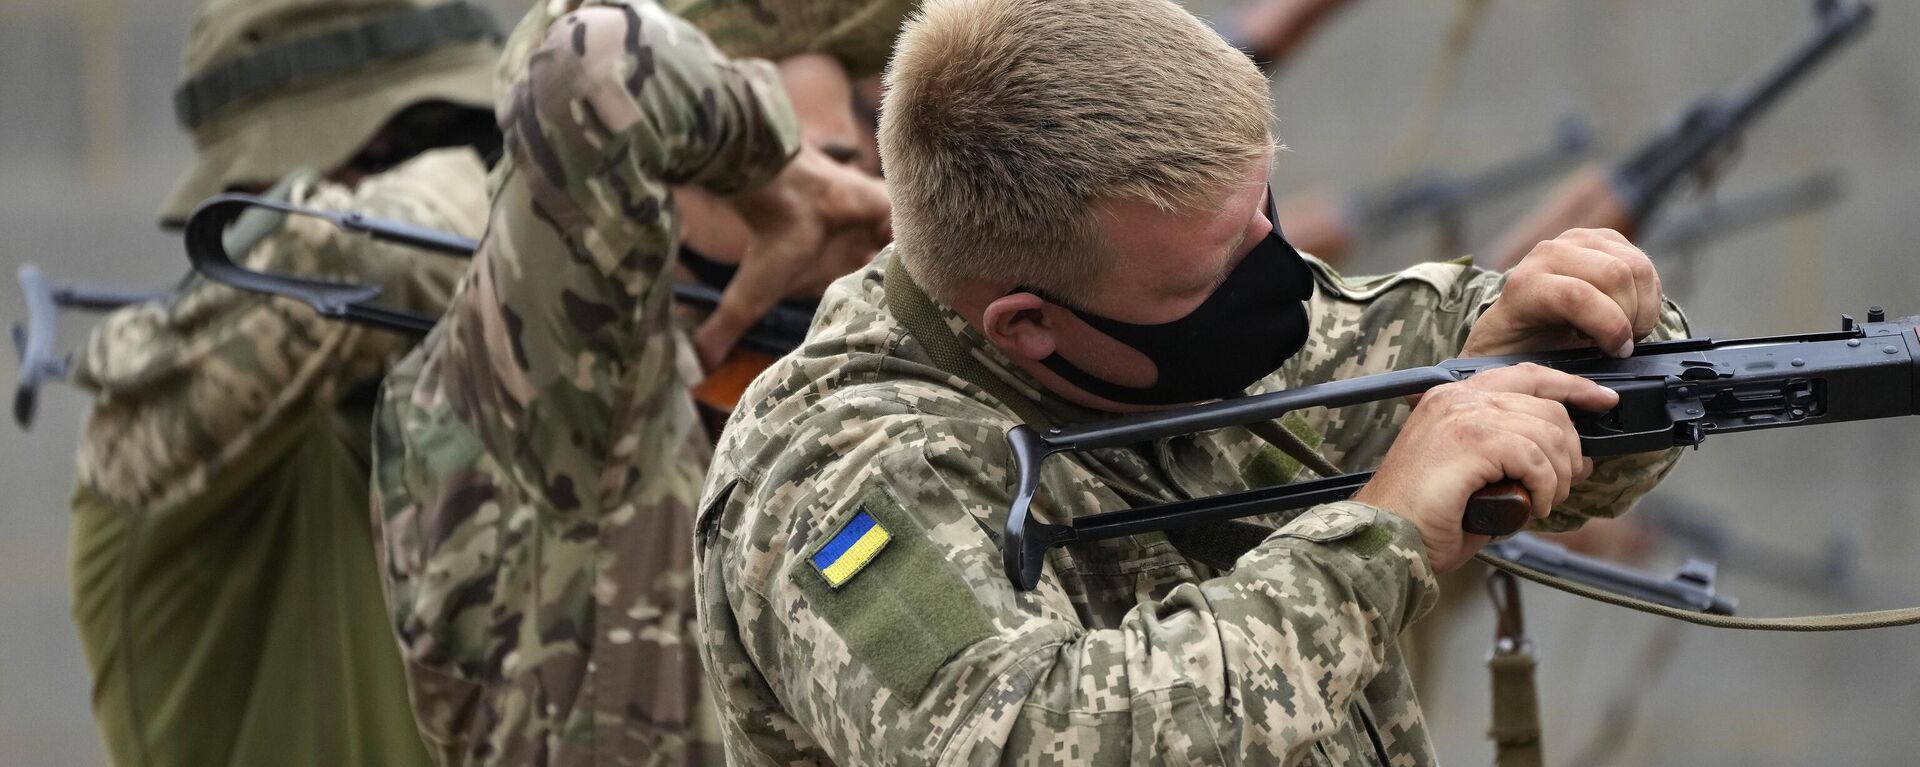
[1851, 621]
[916, 311]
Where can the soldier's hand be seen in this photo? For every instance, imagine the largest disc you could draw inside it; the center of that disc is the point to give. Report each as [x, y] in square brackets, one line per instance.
[1587, 287]
[791, 220]
[1507, 423]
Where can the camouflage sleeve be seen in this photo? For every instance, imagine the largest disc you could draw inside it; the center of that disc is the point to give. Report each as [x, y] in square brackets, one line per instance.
[186, 384]
[859, 33]
[1420, 316]
[564, 320]
[902, 642]
[537, 459]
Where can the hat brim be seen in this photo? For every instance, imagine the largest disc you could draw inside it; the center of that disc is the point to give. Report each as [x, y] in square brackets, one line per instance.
[321, 127]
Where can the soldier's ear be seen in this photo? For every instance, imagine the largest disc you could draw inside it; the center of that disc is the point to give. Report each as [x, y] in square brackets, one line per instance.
[1022, 325]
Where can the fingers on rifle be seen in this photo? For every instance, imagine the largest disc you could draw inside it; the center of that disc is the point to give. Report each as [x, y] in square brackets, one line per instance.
[1547, 383]
[1546, 423]
[760, 283]
[1563, 300]
[1520, 458]
[1649, 296]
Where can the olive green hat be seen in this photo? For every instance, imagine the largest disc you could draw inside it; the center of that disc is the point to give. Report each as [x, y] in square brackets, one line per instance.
[273, 86]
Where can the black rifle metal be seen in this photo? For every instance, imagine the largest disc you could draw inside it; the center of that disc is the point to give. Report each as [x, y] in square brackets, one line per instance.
[1711, 125]
[1692, 588]
[1445, 199]
[1826, 572]
[779, 332]
[33, 342]
[1672, 393]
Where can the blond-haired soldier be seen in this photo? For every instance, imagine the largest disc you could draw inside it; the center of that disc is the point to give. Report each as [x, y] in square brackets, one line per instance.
[223, 574]
[1082, 229]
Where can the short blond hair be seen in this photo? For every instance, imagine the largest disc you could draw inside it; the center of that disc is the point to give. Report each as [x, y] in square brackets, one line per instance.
[1006, 121]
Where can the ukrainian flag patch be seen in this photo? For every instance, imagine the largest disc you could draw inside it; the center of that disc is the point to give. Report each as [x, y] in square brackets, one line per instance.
[849, 550]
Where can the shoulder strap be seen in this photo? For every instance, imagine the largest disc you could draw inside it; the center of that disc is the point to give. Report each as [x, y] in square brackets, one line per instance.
[922, 319]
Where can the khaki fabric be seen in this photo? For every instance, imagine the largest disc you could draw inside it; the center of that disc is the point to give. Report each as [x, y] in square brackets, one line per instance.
[224, 581]
[243, 626]
[318, 124]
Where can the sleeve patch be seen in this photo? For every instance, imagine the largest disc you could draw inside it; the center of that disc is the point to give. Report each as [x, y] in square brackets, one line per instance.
[908, 612]
[849, 550]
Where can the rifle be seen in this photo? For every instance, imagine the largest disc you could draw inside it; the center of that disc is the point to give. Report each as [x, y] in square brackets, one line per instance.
[1672, 394]
[1430, 196]
[33, 342]
[1829, 571]
[1625, 196]
[779, 332]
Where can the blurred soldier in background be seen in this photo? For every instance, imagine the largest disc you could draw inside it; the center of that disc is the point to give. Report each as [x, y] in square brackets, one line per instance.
[538, 457]
[223, 572]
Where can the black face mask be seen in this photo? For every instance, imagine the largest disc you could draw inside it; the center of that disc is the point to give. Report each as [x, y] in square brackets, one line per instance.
[1251, 324]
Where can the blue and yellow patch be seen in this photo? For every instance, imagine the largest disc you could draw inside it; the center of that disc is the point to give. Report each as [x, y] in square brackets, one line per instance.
[857, 543]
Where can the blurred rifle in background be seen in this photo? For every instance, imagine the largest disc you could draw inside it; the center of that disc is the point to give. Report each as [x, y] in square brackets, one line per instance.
[33, 342]
[1675, 243]
[1328, 225]
[1827, 573]
[1626, 196]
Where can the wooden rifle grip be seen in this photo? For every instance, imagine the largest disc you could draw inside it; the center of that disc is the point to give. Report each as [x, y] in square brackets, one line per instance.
[1501, 508]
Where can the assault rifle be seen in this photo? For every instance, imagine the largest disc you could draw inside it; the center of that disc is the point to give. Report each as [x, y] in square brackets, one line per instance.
[1626, 196]
[1440, 198]
[1672, 394]
[33, 342]
[777, 333]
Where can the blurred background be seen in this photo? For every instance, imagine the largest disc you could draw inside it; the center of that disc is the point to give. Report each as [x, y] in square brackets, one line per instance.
[1809, 520]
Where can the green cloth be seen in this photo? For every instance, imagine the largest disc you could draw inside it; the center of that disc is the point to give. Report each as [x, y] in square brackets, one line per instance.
[246, 626]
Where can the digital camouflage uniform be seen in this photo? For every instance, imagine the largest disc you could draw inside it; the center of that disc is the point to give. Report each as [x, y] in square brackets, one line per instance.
[538, 456]
[1129, 651]
[223, 582]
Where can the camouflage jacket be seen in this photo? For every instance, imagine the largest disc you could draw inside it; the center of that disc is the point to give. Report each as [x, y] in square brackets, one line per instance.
[850, 582]
[538, 457]
[859, 33]
[194, 383]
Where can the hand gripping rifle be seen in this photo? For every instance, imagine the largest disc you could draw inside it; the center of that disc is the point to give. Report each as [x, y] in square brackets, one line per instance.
[1627, 195]
[1672, 393]
[33, 342]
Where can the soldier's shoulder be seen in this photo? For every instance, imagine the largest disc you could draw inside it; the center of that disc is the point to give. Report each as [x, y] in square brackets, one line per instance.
[440, 188]
[1440, 279]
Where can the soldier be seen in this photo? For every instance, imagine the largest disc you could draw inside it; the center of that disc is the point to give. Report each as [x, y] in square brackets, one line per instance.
[223, 574]
[537, 458]
[1083, 229]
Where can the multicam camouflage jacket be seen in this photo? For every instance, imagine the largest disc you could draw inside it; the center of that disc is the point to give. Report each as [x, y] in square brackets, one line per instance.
[189, 385]
[852, 599]
[537, 459]
[859, 33]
